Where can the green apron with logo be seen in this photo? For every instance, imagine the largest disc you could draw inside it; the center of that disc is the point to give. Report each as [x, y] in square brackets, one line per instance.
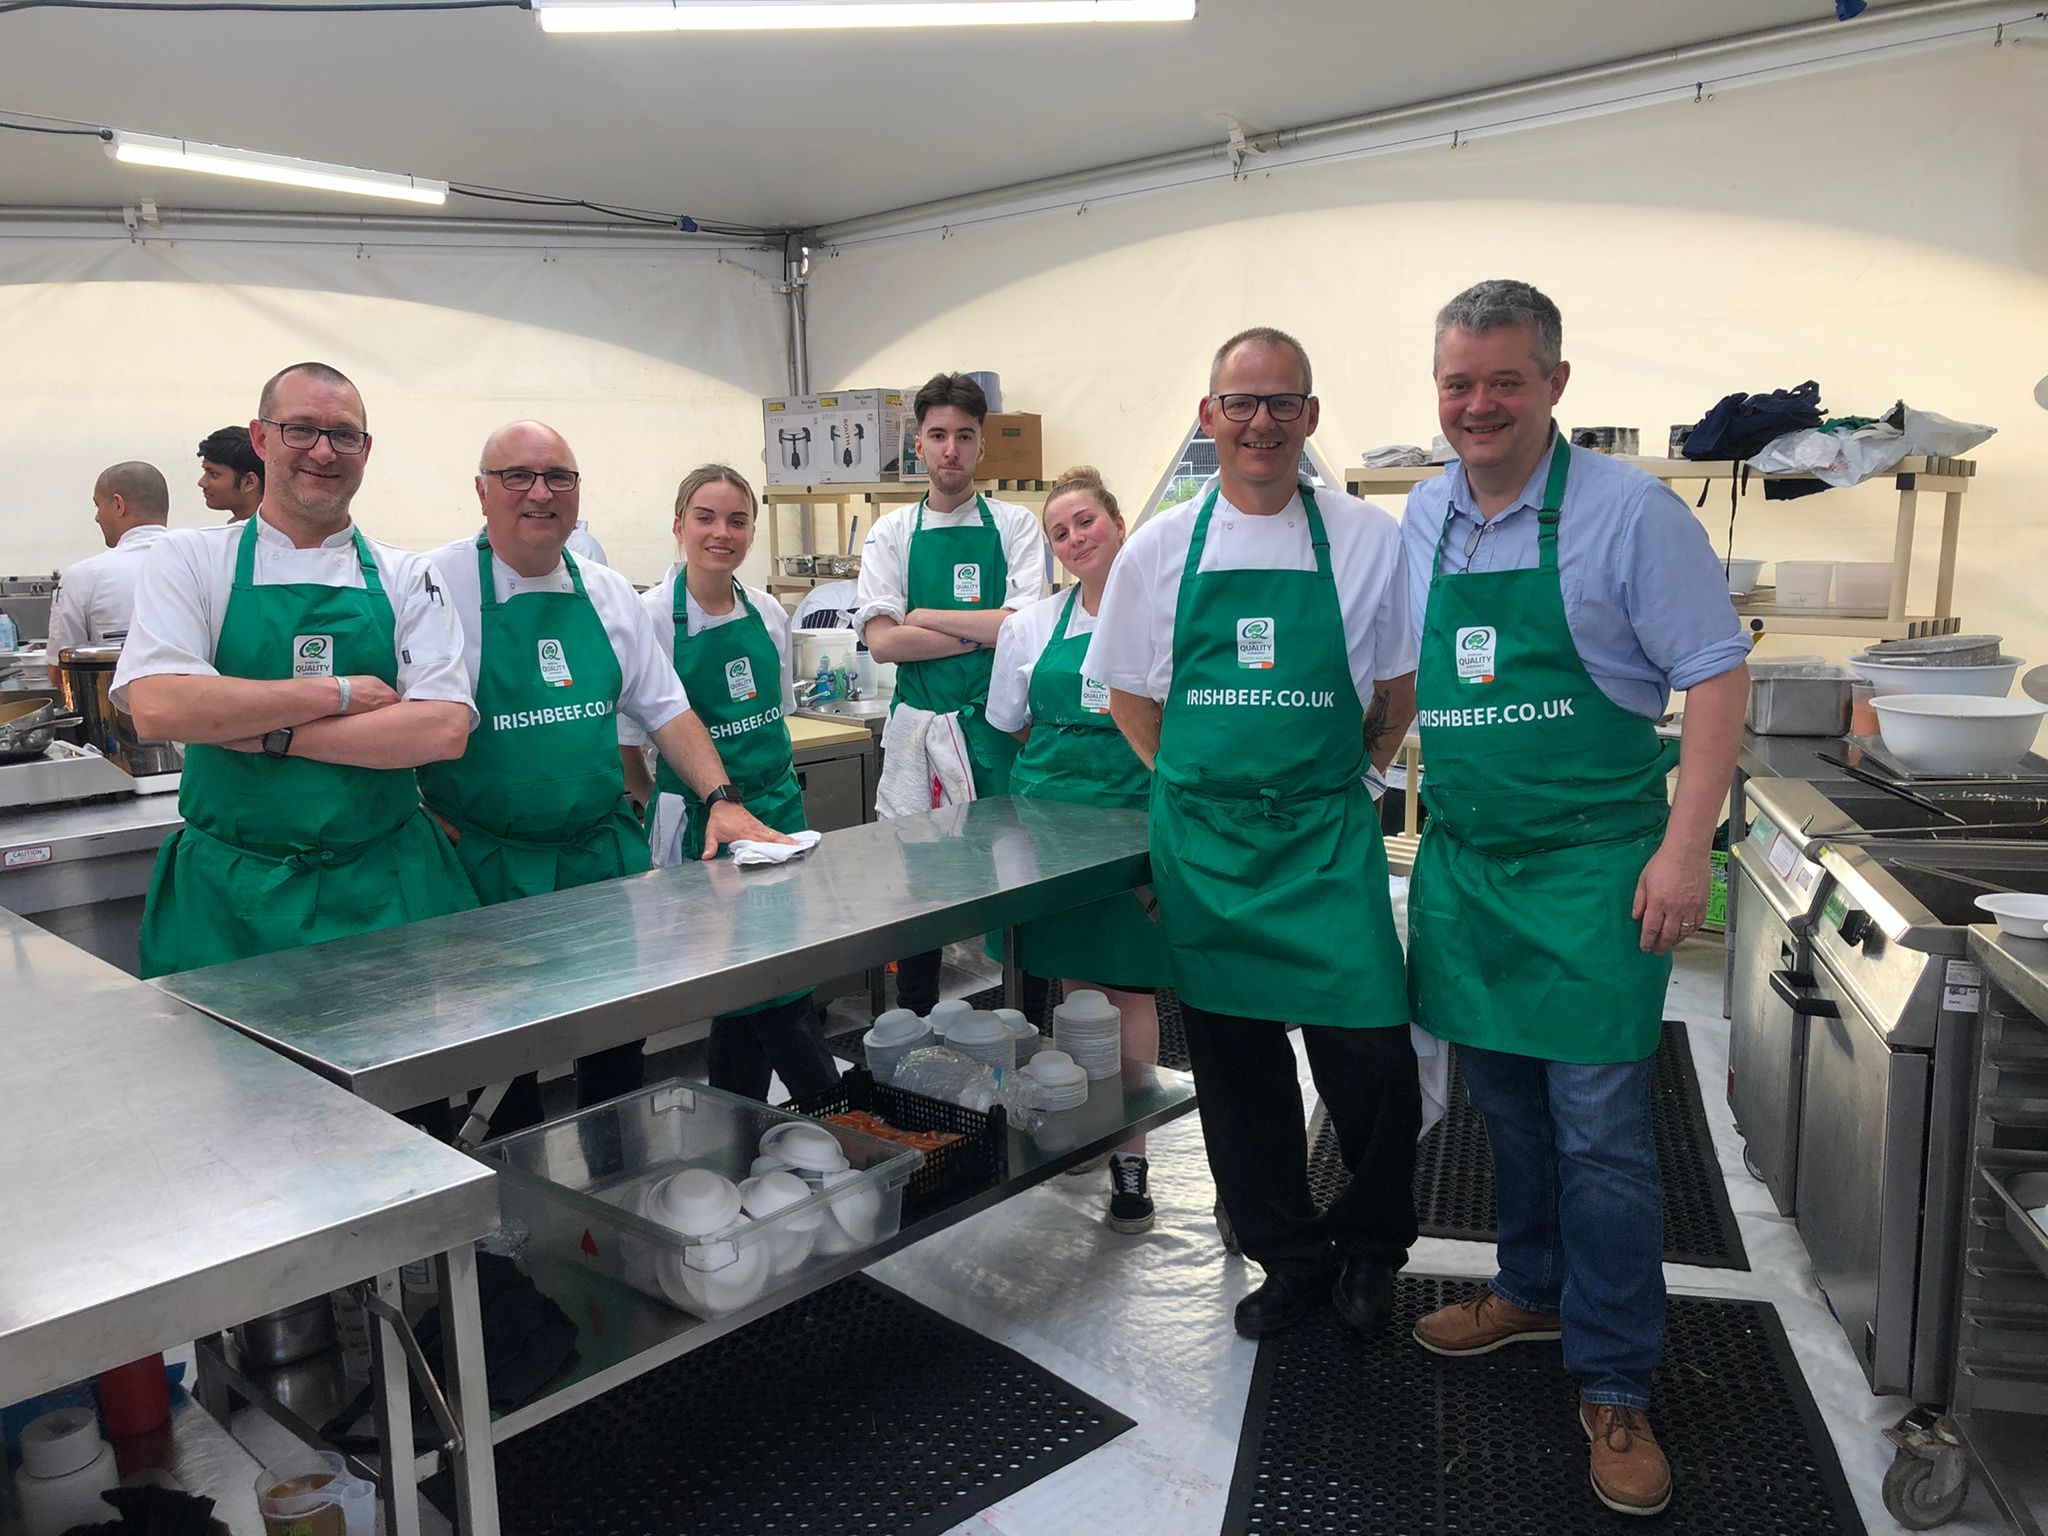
[963, 568]
[1266, 849]
[539, 797]
[279, 852]
[1546, 799]
[1077, 754]
[733, 676]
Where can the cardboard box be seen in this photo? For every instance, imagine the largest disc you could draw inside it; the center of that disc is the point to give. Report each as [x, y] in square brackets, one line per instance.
[1015, 451]
[847, 437]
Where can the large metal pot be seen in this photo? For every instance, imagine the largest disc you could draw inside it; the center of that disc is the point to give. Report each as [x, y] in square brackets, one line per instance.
[88, 672]
[279, 1338]
[27, 727]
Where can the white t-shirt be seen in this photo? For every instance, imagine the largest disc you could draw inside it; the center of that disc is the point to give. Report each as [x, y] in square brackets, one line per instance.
[1022, 641]
[182, 599]
[95, 599]
[659, 604]
[649, 690]
[885, 557]
[1133, 645]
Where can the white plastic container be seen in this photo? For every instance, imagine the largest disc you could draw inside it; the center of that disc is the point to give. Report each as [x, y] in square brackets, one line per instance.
[892, 1037]
[286, 1502]
[1887, 678]
[65, 1467]
[1805, 583]
[1743, 575]
[1938, 733]
[1862, 586]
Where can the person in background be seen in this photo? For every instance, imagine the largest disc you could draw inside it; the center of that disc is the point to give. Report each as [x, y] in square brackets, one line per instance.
[1073, 751]
[730, 647]
[1258, 653]
[584, 546]
[557, 652]
[231, 473]
[1558, 596]
[937, 580]
[95, 599]
[309, 670]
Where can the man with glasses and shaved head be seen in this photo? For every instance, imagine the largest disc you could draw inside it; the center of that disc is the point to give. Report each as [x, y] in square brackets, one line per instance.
[309, 670]
[556, 649]
[1259, 657]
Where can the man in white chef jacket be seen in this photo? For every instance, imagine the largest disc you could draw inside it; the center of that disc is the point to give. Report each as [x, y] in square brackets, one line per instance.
[95, 598]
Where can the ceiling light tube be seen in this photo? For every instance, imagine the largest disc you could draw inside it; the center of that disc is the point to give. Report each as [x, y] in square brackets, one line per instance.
[252, 165]
[833, 15]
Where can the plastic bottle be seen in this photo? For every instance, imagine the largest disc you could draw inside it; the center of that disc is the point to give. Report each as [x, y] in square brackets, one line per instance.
[10, 636]
[827, 683]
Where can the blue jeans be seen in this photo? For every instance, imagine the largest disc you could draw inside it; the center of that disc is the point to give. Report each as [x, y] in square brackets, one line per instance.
[1581, 1209]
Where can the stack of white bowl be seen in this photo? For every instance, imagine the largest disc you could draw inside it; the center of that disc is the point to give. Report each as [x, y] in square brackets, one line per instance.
[893, 1036]
[983, 1037]
[813, 1154]
[946, 1012]
[716, 1274]
[1061, 1082]
[1088, 1028]
[1023, 1033]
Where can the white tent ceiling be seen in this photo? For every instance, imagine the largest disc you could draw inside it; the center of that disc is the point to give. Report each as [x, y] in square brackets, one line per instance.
[765, 129]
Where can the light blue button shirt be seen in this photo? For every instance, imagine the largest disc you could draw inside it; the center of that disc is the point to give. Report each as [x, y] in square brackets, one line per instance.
[1645, 596]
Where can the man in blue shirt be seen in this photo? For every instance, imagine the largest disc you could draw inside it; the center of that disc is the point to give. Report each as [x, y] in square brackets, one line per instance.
[1560, 596]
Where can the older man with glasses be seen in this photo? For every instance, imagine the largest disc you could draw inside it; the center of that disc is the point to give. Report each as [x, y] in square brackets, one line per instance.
[556, 648]
[309, 670]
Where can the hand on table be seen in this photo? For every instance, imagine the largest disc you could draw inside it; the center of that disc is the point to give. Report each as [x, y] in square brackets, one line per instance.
[1671, 897]
[730, 823]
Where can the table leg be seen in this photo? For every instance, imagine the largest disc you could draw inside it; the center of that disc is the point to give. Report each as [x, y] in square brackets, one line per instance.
[1013, 974]
[469, 1398]
[397, 1484]
[208, 1388]
[1945, 572]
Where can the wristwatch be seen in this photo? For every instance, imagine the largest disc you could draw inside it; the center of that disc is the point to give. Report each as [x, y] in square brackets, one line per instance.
[278, 743]
[725, 793]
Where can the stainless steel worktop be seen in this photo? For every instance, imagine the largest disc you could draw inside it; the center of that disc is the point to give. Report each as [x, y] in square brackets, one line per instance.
[166, 1178]
[1790, 757]
[2019, 966]
[95, 829]
[411, 1014]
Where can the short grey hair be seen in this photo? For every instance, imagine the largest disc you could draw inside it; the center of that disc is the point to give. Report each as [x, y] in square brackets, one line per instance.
[141, 486]
[1262, 336]
[1499, 303]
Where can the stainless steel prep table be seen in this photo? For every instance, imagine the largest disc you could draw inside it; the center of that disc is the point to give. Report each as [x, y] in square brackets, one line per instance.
[81, 870]
[418, 1013]
[167, 1179]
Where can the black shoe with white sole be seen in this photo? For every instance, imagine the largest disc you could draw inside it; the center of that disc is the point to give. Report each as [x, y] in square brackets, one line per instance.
[1130, 1203]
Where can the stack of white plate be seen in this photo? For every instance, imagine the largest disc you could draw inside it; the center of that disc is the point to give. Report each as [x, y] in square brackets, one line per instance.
[1088, 1028]
[1022, 1033]
[1061, 1082]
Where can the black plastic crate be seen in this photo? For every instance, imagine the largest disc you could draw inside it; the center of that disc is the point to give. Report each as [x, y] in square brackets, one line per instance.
[979, 1159]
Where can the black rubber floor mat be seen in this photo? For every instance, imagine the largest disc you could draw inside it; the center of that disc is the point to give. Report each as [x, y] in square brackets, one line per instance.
[1381, 1438]
[853, 1409]
[1454, 1194]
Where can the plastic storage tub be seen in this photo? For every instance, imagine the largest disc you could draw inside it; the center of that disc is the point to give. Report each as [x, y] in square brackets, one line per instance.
[1863, 586]
[1805, 583]
[578, 1185]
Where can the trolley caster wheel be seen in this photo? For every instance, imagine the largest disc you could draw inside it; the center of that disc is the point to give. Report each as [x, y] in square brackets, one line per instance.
[1749, 1162]
[1923, 1492]
[1226, 1231]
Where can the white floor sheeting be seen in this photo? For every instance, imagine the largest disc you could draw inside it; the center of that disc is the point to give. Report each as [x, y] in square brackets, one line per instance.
[1144, 1322]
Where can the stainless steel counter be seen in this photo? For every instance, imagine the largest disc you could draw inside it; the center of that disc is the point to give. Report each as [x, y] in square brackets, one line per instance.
[2020, 966]
[434, 1008]
[166, 1178]
[1790, 757]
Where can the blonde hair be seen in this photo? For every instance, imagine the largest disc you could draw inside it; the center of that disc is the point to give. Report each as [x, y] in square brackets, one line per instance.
[714, 474]
[1082, 477]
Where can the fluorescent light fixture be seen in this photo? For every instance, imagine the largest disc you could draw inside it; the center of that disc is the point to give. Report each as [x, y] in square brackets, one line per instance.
[252, 165]
[834, 15]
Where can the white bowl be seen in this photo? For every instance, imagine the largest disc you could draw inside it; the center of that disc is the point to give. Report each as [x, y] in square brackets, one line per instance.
[899, 1026]
[712, 1278]
[855, 1215]
[945, 1011]
[1889, 678]
[1743, 576]
[807, 1148]
[694, 1201]
[1958, 733]
[791, 1239]
[2020, 913]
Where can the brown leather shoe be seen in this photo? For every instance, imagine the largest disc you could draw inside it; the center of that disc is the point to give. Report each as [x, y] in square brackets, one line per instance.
[1482, 1325]
[1629, 1473]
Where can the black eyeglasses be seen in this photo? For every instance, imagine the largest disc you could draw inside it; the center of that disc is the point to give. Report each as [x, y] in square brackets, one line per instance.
[1245, 407]
[561, 481]
[299, 434]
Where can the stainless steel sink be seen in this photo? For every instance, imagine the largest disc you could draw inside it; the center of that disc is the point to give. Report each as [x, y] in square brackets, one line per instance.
[863, 710]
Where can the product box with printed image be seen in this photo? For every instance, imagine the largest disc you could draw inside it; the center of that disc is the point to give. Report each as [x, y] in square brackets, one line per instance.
[848, 437]
[1015, 451]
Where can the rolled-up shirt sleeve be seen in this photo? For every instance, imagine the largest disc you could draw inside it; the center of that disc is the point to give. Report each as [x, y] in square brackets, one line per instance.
[884, 571]
[1676, 594]
[171, 633]
[1009, 685]
[430, 661]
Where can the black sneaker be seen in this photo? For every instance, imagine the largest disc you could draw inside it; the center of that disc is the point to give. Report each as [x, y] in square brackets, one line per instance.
[1130, 1205]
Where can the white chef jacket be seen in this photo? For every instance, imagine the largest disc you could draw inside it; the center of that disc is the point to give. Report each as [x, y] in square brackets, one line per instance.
[885, 557]
[1025, 635]
[95, 599]
[1133, 645]
[181, 600]
[583, 544]
[658, 603]
[649, 689]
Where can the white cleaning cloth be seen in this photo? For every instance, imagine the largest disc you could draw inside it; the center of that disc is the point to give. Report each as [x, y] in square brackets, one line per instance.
[744, 851]
[1433, 1068]
[924, 763]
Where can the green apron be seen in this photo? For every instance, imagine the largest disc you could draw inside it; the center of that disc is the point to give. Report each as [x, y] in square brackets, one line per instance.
[539, 797]
[962, 568]
[1546, 799]
[1076, 753]
[733, 676]
[1266, 849]
[279, 852]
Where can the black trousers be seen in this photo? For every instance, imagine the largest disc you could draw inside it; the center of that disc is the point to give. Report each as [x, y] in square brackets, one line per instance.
[599, 1076]
[917, 981]
[786, 1040]
[1248, 1093]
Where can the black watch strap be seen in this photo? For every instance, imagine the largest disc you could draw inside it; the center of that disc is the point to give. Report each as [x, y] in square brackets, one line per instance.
[724, 793]
[278, 743]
